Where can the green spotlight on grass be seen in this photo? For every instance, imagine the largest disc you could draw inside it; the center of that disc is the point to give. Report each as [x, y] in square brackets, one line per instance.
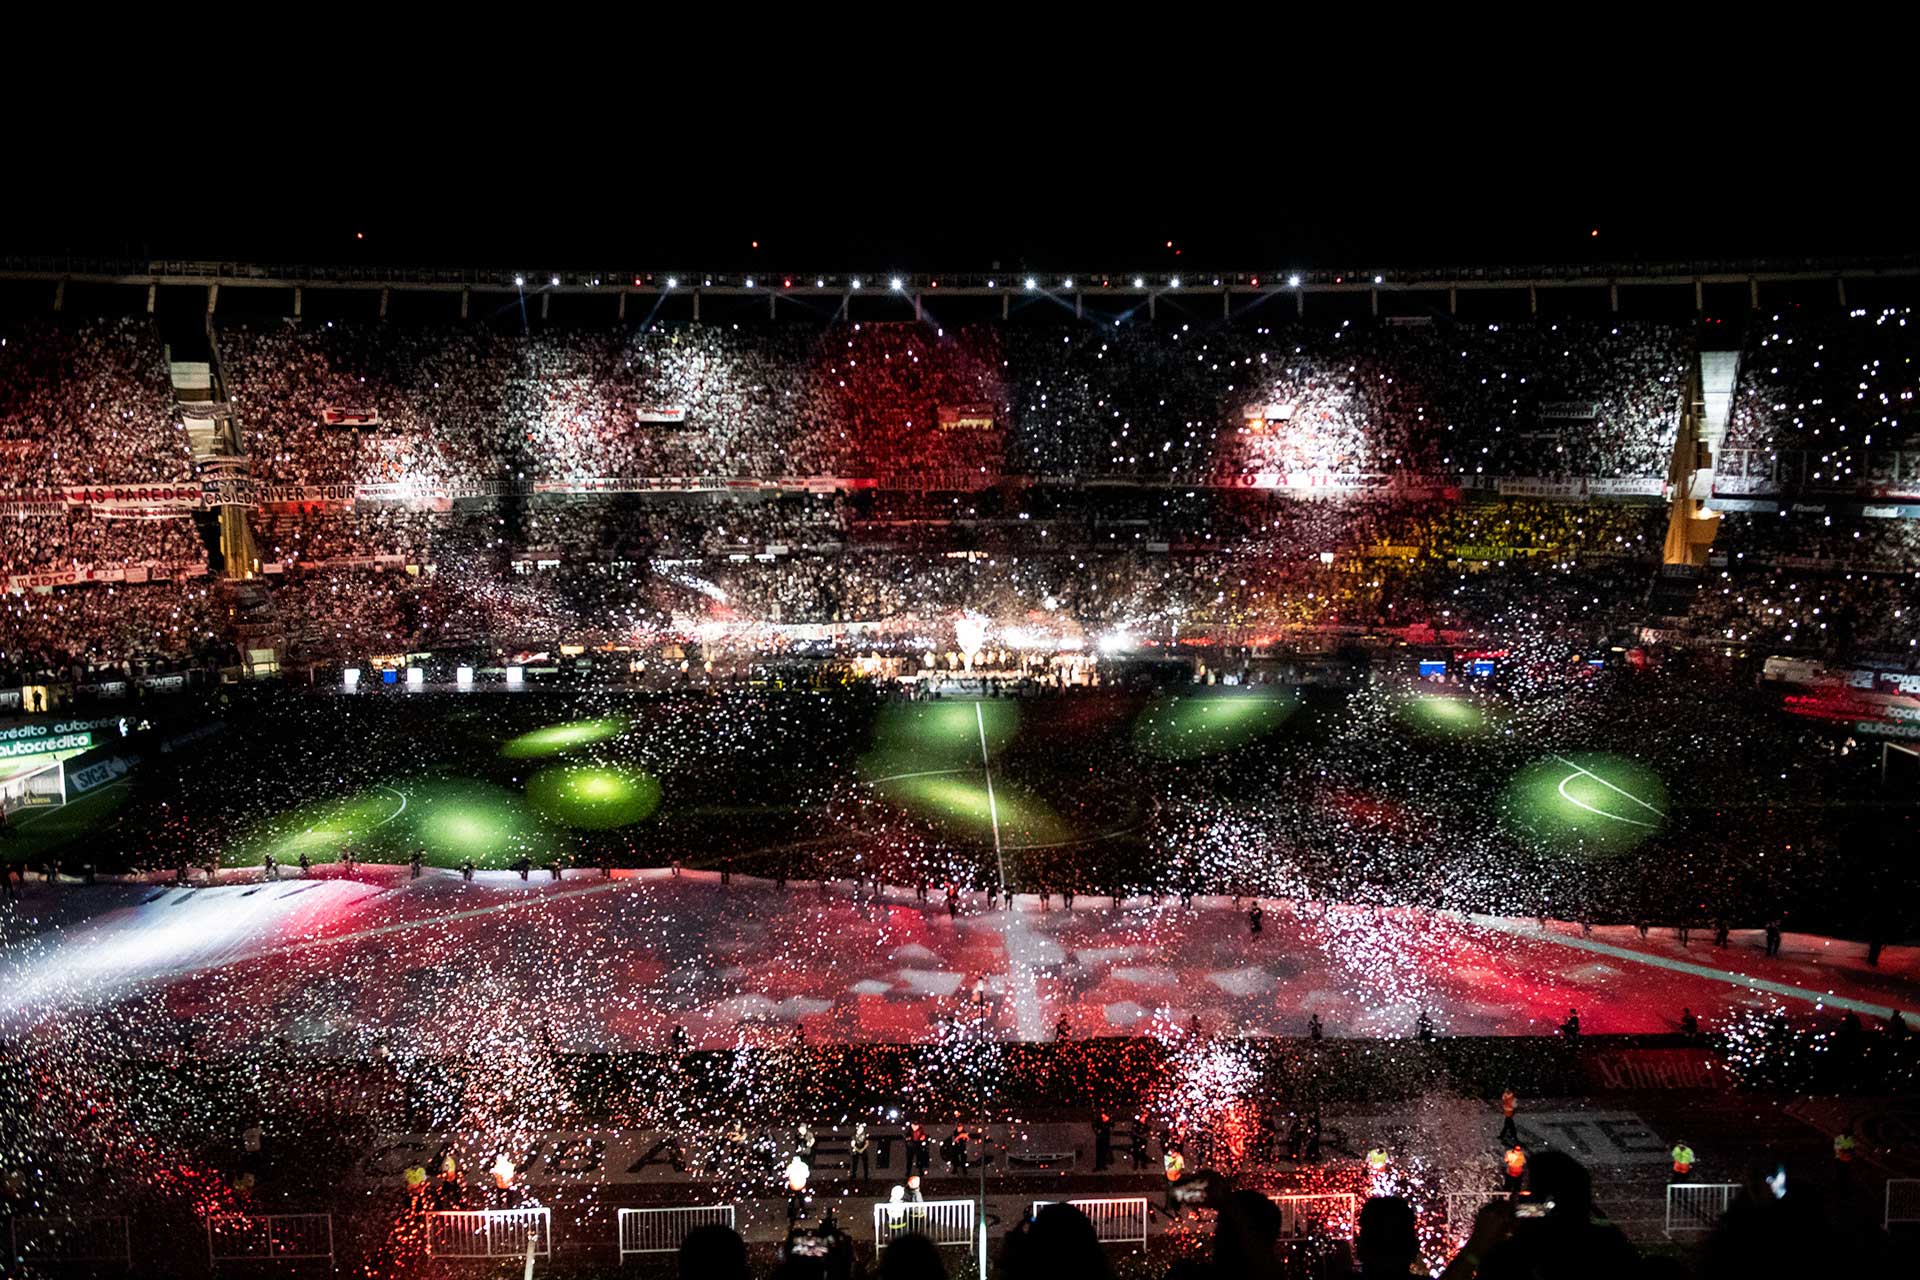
[457, 820]
[323, 830]
[1183, 726]
[558, 739]
[1444, 716]
[593, 797]
[1589, 803]
[959, 802]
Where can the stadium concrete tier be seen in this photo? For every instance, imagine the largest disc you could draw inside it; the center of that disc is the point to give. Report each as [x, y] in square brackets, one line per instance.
[331, 964]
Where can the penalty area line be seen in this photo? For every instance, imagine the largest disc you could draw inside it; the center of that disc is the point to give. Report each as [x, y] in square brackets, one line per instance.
[1609, 786]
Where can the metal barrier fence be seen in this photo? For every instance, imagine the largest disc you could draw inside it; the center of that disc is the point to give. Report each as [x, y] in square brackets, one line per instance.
[1461, 1208]
[1329, 1213]
[99, 1239]
[489, 1233]
[1697, 1206]
[941, 1221]
[1117, 1220]
[1903, 1201]
[662, 1230]
[269, 1237]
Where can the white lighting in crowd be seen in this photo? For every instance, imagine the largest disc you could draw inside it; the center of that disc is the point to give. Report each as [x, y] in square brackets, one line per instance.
[894, 284]
[416, 679]
[1293, 282]
[463, 677]
[1176, 282]
[519, 282]
[1032, 283]
[749, 282]
[1138, 283]
[351, 680]
[1326, 557]
[1379, 280]
[516, 676]
[555, 281]
[856, 282]
[673, 282]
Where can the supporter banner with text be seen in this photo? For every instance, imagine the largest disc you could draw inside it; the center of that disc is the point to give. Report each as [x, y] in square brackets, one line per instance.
[170, 498]
[965, 417]
[671, 414]
[74, 575]
[335, 415]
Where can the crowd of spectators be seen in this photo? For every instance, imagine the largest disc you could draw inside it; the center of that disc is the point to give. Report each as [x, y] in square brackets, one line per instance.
[938, 420]
[87, 402]
[78, 635]
[1837, 385]
[465, 405]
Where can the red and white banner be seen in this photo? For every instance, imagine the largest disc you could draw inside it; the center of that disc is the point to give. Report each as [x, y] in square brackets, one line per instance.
[175, 498]
[335, 415]
[674, 414]
[74, 575]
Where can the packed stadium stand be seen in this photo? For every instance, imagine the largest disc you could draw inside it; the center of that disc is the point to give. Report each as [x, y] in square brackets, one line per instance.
[415, 486]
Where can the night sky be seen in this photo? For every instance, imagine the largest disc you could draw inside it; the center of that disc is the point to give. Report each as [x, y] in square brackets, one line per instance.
[865, 174]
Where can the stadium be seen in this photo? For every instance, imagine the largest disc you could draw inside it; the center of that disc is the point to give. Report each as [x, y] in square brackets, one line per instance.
[752, 772]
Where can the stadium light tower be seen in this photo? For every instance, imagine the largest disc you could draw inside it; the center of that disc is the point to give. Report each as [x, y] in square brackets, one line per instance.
[1293, 282]
[856, 282]
[894, 284]
[673, 282]
[519, 282]
[1032, 283]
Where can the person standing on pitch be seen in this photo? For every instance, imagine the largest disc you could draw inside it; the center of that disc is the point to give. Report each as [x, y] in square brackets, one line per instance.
[860, 1154]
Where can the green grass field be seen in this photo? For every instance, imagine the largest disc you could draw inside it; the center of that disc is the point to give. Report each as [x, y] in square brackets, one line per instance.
[1587, 803]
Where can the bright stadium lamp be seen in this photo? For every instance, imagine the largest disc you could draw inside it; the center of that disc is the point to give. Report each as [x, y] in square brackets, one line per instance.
[1379, 280]
[554, 281]
[1067, 283]
[1032, 283]
[1176, 282]
[894, 284]
[1293, 282]
[1138, 283]
[351, 679]
[519, 282]
[463, 677]
[819, 284]
[989, 284]
[516, 676]
[856, 282]
[673, 282]
[416, 679]
[749, 282]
